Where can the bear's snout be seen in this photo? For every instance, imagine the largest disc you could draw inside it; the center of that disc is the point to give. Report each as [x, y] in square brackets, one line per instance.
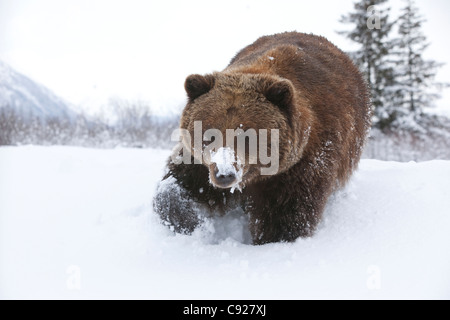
[225, 171]
[223, 180]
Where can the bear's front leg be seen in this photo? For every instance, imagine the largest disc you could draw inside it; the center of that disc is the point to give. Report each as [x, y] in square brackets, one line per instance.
[185, 197]
[274, 219]
[176, 207]
[279, 213]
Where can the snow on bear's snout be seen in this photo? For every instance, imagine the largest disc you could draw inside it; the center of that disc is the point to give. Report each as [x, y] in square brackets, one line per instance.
[225, 169]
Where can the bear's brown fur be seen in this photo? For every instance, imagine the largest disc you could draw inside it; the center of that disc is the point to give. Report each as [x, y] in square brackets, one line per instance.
[313, 94]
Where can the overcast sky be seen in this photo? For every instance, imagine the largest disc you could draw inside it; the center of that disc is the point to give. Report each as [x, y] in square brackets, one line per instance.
[89, 50]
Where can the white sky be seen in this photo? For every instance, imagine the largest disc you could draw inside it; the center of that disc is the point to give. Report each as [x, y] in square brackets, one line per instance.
[89, 50]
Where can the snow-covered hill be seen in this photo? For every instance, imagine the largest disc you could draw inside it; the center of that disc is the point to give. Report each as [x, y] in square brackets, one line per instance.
[78, 223]
[29, 97]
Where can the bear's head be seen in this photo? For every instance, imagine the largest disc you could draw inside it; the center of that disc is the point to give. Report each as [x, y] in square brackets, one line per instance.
[242, 127]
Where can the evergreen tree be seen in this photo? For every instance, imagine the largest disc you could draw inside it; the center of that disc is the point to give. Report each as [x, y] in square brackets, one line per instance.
[414, 75]
[371, 33]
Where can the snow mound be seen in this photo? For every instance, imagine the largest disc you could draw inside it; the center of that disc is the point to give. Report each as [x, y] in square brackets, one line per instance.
[78, 223]
[232, 227]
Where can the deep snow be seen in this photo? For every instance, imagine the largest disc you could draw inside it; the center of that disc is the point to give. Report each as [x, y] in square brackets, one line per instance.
[78, 223]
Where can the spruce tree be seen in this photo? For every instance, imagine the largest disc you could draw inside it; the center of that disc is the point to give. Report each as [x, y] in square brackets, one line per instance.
[416, 88]
[372, 28]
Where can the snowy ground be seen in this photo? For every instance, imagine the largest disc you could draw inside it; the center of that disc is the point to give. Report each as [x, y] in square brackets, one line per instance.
[78, 223]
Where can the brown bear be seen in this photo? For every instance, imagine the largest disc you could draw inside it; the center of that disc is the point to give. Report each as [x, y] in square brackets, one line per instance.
[315, 98]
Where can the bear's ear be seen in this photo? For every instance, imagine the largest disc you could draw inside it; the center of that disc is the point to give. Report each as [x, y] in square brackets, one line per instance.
[280, 93]
[197, 85]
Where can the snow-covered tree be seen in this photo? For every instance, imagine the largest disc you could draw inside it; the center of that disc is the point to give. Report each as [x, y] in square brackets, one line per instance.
[372, 28]
[416, 87]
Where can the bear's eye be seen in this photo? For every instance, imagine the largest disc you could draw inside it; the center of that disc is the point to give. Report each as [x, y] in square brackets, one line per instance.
[207, 143]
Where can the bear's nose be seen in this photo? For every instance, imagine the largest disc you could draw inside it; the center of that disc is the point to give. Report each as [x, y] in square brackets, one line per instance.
[224, 180]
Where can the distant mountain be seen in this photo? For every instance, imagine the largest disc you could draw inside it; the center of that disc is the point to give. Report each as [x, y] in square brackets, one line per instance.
[29, 97]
